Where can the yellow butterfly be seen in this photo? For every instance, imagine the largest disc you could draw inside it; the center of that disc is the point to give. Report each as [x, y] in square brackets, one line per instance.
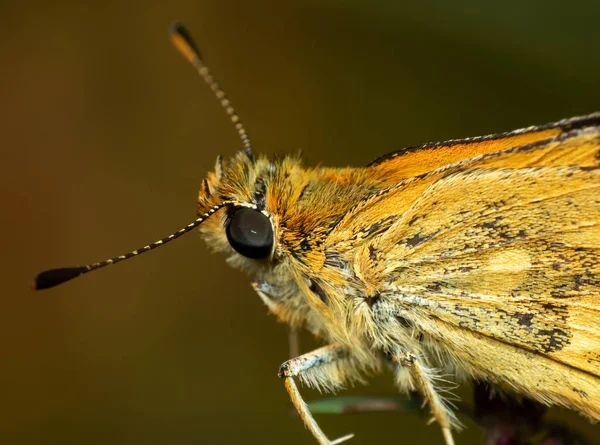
[476, 258]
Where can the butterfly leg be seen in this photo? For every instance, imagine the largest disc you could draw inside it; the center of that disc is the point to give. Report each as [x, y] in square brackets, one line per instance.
[269, 294]
[266, 292]
[422, 379]
[294, 342]
[300, 367]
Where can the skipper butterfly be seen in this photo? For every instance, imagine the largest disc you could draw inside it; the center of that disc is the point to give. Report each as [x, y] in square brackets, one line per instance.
[477, 258]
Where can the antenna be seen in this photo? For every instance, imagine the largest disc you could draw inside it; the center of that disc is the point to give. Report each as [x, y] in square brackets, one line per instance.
[54, 277]
[187, 47]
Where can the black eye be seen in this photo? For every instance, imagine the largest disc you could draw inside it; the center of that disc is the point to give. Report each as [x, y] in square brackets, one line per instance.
[250, 233]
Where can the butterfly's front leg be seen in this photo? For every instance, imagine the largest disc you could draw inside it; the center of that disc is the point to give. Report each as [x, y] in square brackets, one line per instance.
[319, 368]
[272, 296]
[306, 367]
[422, 378]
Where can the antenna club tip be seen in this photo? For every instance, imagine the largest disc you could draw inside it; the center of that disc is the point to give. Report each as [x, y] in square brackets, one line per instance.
[176, 28]
[54, 277]
[183, 41]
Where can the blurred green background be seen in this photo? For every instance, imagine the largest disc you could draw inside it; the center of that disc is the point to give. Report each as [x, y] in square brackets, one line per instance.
[107, 133]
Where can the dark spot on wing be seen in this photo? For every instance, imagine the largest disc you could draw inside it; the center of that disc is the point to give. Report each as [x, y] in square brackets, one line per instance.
[434, 288]
[377, 227]
[552, 307]
[542, 327]
[582, 393]
[492, 224]
[553, 339]
[414, 241]
[414, 219]
[580, 281]
[524, 319]
[372, 253]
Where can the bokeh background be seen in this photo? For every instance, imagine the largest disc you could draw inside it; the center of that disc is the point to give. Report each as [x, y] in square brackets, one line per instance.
[107, 133]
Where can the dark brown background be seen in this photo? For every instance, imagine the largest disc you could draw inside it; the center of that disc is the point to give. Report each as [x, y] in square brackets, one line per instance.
[107, 133]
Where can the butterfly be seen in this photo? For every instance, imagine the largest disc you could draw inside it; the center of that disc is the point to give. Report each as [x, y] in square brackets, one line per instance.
[467, 259]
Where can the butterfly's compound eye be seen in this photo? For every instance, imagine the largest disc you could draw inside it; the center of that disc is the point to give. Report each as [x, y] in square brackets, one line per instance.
[250, 233]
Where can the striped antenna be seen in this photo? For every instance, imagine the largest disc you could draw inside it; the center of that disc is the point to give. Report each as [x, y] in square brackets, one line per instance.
[54, 277]
[187, 47]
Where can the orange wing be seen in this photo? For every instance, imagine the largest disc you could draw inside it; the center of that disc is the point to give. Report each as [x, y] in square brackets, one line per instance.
[505, 244]
[420, 159]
